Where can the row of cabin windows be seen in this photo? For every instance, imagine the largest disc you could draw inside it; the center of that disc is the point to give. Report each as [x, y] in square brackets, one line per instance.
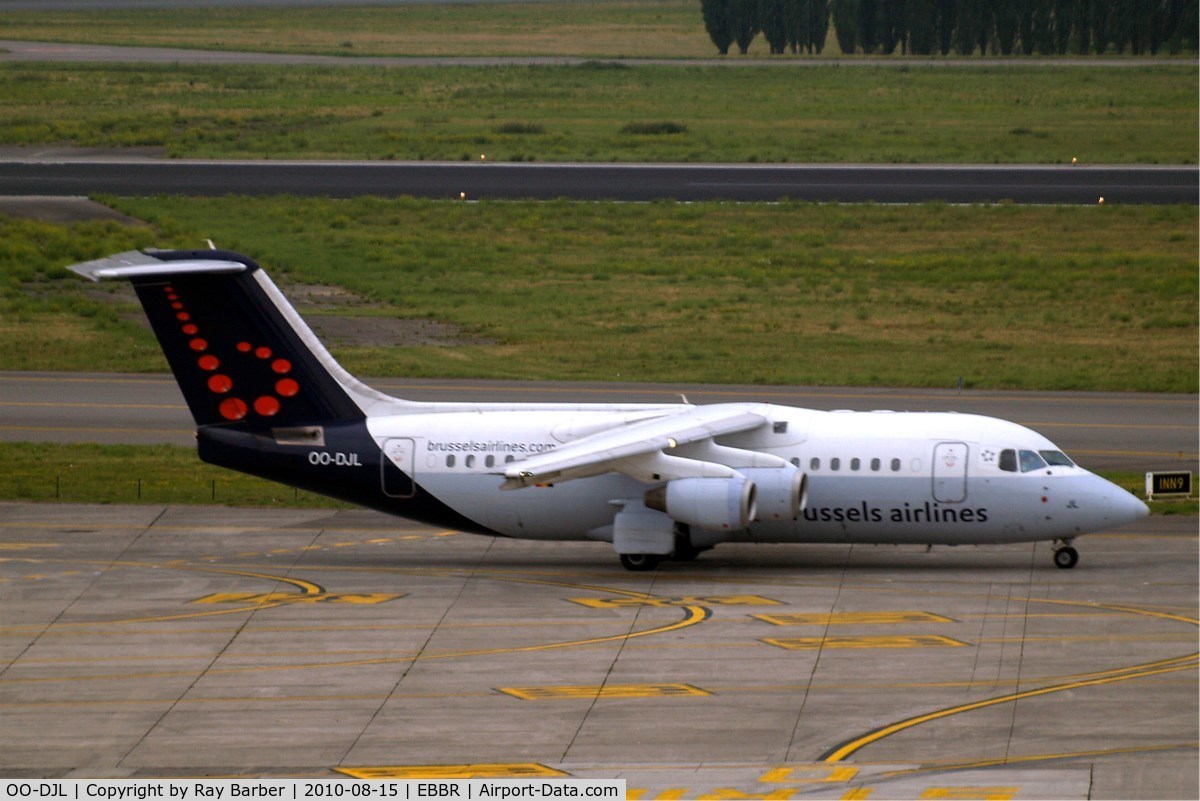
[469, 461]
[1028, 460]
[835, 464]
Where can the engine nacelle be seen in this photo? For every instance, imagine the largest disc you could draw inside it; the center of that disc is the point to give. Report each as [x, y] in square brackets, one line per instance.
[782, 491]
[721, 504]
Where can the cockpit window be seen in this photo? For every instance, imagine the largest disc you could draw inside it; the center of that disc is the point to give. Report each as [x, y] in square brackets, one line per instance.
[1056, 459]
[1008, 460]
[1030, 460]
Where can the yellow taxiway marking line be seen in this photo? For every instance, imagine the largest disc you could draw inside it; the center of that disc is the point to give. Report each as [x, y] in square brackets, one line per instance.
[100, 430]
[667, 601]
[1108, 677]
[950, 767]
[486, 770]
[852, 618]
[91, 405]
[692, 616]
[866, 641]
[591, 692]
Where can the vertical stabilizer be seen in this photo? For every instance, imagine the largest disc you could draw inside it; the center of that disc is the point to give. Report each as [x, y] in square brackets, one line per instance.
[240, 352]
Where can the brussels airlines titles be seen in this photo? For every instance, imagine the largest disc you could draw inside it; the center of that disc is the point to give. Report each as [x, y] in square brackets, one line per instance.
[865, 513]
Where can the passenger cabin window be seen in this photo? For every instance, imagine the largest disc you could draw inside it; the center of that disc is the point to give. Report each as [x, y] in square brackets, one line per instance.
[471, 460]
[835, 463]
[1030, 460]
[814, 464]
[855, 464]
[450, 460]
[895, 465]
[1008, 460]
[490, 461]
[875, 465]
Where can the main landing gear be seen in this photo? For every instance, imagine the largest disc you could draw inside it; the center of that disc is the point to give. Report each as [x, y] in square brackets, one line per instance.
[1066, 557]
[640, 562]
[684, 552]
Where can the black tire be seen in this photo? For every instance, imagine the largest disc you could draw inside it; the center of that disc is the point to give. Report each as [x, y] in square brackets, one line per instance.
[640, 562]
[1066, 558]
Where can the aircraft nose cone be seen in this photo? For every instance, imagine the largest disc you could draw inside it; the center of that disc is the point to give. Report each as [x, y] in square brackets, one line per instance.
[1123, 506]
[1126, 508]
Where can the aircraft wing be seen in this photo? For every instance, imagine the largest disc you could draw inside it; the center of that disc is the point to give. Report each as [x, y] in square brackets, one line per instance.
[640, 449]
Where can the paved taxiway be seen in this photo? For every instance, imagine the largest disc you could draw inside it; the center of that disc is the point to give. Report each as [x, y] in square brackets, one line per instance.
[1108, 431]
[150, 641]
[959, 183]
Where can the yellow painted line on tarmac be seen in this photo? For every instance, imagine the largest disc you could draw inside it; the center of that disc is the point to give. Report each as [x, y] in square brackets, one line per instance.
[950, 767]
[486, 770]
[667, 601]
[88, 405]
[1148, 669]
[1141, 454]
[880, 641]
[970, 793]
[693, 615]
[1118, 426]
[852, 618]
[26, 546]
[592, 692]
[263, 598]
[97, 430]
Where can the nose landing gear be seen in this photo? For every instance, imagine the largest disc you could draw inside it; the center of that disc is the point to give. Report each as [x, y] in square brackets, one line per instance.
[1065, 557]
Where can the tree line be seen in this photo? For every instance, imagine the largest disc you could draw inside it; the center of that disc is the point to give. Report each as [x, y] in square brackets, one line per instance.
[964, 27]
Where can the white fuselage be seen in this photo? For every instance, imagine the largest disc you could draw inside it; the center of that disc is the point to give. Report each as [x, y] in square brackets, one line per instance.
[877, 477]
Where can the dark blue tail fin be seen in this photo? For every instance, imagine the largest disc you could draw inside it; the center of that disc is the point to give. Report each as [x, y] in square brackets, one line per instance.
[241, 354]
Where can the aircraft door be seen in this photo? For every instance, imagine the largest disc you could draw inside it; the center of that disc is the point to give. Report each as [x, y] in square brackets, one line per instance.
[397, 467]
[950, 472]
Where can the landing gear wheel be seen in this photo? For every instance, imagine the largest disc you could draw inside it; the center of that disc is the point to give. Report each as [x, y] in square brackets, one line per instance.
[640, 562]
[1066, 557]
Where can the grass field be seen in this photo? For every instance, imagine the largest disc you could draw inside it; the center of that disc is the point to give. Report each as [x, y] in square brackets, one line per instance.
[1000, 296]
[1019, 114]
[600, 28]
[162, 474]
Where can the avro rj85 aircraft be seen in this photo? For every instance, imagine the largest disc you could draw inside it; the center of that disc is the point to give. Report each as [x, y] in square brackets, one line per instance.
[657, 481]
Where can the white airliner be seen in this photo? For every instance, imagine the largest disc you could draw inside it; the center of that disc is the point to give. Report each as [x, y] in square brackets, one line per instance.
[658, 481]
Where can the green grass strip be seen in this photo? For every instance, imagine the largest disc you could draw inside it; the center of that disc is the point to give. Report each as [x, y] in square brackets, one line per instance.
[967, 114]
[1071, 298]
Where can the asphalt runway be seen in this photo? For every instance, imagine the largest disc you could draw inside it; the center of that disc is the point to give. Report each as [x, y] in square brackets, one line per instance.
[183, 642]
[1101, 431]
[42, 176]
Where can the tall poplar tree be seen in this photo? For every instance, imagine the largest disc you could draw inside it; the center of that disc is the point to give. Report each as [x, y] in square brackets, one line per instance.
[743, 19]
[845, 24]
[716, 22]
[773, 19]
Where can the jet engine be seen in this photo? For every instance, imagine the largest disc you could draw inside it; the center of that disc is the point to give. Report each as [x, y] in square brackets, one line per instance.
[782, 492]
[710, 503]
